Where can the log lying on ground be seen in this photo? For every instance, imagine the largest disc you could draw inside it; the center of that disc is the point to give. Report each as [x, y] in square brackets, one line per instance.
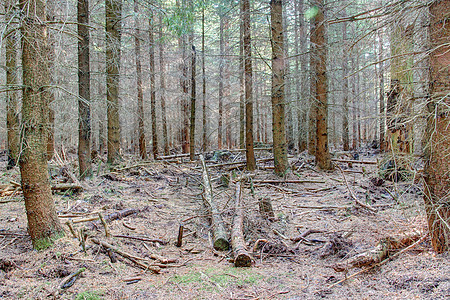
[355, 161]
[241, 256]
[134, 259]
[8, 190]
[220, 238]
[379, 253]
[287, 181]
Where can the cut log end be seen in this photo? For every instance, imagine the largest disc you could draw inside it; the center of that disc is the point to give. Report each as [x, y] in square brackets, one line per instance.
[221, 244]
[242, 260]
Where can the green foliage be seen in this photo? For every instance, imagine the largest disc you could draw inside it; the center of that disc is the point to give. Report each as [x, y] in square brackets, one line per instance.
[89, 295]
[47, 242]
[311, 13]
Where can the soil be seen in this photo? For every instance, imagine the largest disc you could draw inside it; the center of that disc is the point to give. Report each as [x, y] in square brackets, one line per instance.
[166, 193]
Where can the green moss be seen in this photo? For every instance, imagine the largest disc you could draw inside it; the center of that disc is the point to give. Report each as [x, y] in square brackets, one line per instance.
[89, 295]
[47, 242]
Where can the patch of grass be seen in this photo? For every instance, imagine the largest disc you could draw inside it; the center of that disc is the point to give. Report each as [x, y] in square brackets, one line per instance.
[47, 242]
[89, 295]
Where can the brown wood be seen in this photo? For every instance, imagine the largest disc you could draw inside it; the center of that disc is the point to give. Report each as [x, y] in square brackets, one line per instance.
[162, 86]
[193, 102]
[152, 85]
[241, 256]
[365, 162]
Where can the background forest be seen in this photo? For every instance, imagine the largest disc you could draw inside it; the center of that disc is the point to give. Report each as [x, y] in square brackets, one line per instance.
[93, 88]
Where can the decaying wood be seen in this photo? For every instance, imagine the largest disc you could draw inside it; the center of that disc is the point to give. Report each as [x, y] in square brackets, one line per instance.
[376, 255]
[265, 208]
[302, 237]
[67, 282]
[220, 237]
[72, 230]
[134, 259]
[102, 220]
[141, 238]
[180, 236]
[366, 206]
[355, 161]
[287, 181]
[241, 256]
[238, 162]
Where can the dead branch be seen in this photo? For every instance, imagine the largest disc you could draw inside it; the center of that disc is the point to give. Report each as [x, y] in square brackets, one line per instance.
[141, 238]
[287, 181]
[66, 283]
[351, 161]
[220, 238]
[241, 256]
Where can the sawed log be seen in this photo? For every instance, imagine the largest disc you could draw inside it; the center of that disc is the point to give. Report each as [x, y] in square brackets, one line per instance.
[219, 234]
[241, 256]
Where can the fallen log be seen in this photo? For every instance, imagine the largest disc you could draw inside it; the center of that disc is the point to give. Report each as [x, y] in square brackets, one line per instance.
[241, 256]
[220, 238]
[141, 238]
[286, 181]
[351, 161]
[134, 259]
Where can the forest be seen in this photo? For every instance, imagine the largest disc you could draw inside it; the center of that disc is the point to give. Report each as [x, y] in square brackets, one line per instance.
[227, 149]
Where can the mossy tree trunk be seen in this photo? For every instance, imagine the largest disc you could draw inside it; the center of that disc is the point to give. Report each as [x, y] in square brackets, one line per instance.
[113, 44]
[43, 223]
[278, 89]
[437, 151]
[84, 91]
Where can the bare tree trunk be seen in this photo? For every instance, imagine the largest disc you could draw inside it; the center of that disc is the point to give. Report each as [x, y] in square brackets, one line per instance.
[84, 91]
[12, 103]
[318, 38]
[204, 120]
[221, 75]
[193, 98]
[345, 129]
[312, 122]
[51, 60]
[140, 92]
[381, 95]
[241, 85]
[153, 88]
[302, 111]
[113, 44]
[43, 223]
[437, 151]
[287, 90]
[250, 154]
[278, 88]
[162, 78]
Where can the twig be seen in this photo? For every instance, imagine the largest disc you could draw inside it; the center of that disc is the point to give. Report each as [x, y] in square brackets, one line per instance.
[143, 239]
[104, 225]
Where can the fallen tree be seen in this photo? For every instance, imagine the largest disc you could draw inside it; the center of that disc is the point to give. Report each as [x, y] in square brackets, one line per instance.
[241, 256]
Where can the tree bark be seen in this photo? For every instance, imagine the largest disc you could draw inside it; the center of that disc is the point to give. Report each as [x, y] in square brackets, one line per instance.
[43, 223]
[193, 99]
[318, 38]
[437, 151]
[84, 91]
[221, 75]
[140, 92]
[250, 154]
[381, 95]
[345, 129]
[278, 88]
[12, 103]
[301, 65]
[113, 43]
[312, 115]
[241, 256]
[51, 60]
[153, 87]
[162, 78]
[204, 119]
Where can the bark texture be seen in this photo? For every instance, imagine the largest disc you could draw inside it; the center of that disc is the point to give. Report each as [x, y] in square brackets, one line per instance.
[153, 88]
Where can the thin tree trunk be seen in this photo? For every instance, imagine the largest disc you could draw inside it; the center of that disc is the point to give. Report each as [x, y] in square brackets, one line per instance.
[318, 38]
[250, 154]
[241, 85]
[12, 103]
[437, 151]
[278, 88]
[51, 59]
[287, 79]
[193, 99]
[381, 95]
[153, 88]
[345, 129]
[221, 67]
[162, 78]
[204, 120]
[84, 91]
[43, 223]
[140, 92]
[302, 96]
[312, 122]
[113, 44]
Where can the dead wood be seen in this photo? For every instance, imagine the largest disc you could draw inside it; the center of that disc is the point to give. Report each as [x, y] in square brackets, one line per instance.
[336, 245]
[66, 283]
[239, 162]
[241, 256]
[302, 237]
[67, 186]
[180, 236]
[142, 238]
[220, 237]
[355, 161]
[377, 254]
[134, 259]
[287, 181]
[368, 207]
[265, 208]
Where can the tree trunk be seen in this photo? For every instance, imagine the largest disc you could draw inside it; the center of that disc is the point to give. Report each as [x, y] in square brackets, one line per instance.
[204, 120]
[301, 78]
[278, 88]
[312, 121]
[345, 129]
[43, 223]
[12, 103]
[241, 256]
[193, 98]
[140, 92]
[221, 75]
[381, 95]
[437, 151]
[250, 154]
[84, 91]
[51, 60]
[153, 88]
[113, 12]
[162, 78]
[323, 158]
[241, 86]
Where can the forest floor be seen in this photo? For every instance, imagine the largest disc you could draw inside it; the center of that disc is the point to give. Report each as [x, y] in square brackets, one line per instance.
[166, 193]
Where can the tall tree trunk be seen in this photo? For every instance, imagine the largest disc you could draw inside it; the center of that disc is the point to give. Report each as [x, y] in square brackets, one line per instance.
[193, 99]
[162, 78]
[204, 120]
[287, 78]
[140, 92]
[184, 83]
[241, 85]
[153, 87]
[354, 113]
[381, 94]
[318, 39]
[302, 111]
[278, 88]
[84, 91]
[345, 129]
[249, 151]
[220, 98]
[51, 59]
[313, 100]
[12, 103]
[113, 12]
[43, 223]
[437, 151]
